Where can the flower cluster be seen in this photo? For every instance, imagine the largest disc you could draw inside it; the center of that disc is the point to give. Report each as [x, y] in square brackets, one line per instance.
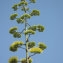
[35, 13]
[29, 32]
[14, 46]
[13, 30]
[36, 50]
[13, 59]
[24, 60]
[13, 16]
[42, 46]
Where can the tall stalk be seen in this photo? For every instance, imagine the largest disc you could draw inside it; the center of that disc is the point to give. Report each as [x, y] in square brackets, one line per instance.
[26, 41]
[30, 46]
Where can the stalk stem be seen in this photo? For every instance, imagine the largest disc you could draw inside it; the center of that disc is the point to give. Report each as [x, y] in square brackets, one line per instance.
[26, 41]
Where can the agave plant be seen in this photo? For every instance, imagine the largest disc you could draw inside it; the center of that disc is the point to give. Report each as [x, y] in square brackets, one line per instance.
[27, 31]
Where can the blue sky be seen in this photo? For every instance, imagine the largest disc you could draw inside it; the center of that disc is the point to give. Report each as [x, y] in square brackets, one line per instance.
[51, 17]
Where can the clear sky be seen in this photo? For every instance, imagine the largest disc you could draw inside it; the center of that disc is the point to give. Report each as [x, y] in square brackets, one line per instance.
[51, 17]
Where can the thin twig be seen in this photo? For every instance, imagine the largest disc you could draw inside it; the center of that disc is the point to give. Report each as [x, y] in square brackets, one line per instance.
[21, 47]
[28, 36]
[29, 24]
[22, 31]
[31, 55]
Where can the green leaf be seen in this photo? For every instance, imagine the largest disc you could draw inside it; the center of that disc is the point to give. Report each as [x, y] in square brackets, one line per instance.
[40, 28]
[35, 50]
[31, 44]
[42, 46]
[29, 32]
[13, 59]
[35, 13]
[13, 30]
[17, 35]
[13, 16]
[24, 60]
[14, 7]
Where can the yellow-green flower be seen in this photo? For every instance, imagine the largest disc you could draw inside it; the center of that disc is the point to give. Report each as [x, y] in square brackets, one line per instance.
[35, 13]
[40, 28]
[13, 29]
[42, 46]
[13, 16]
[36, 50]
[14, 46]
[29, 32]
[24, 60]
[22, 3]
[14, 7]
[31, 44]
[17, 35]
[13, 59]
